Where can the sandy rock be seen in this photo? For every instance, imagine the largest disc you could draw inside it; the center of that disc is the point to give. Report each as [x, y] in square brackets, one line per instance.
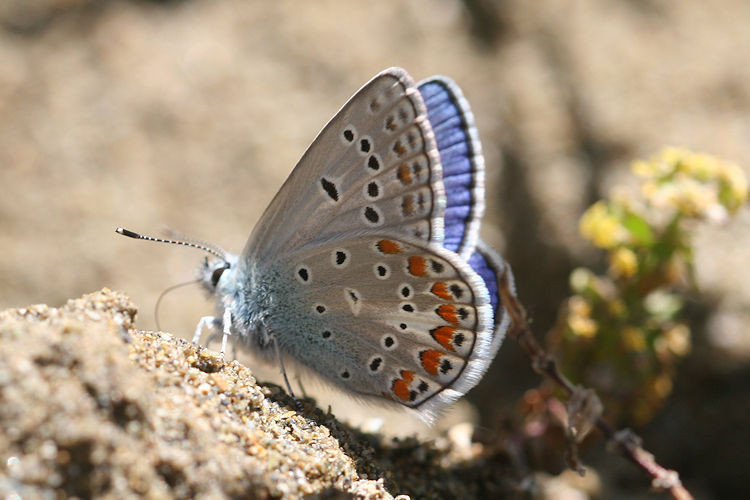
[93, 407]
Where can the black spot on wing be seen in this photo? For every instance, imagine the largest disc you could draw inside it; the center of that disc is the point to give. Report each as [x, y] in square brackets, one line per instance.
[330, 188]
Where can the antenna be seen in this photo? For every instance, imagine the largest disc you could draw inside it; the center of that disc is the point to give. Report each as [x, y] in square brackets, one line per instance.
[171, 233]
[163, 293]
[218, 252]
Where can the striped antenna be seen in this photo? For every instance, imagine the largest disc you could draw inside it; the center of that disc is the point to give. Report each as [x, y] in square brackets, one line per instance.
[216, 251]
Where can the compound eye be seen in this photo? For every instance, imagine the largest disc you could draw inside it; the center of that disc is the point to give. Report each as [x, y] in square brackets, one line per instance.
[216, 275]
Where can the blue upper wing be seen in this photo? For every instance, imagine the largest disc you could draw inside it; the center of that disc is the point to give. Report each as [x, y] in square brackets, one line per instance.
[462, 160]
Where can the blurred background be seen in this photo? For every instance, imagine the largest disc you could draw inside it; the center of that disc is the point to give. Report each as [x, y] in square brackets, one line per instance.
[190, 115]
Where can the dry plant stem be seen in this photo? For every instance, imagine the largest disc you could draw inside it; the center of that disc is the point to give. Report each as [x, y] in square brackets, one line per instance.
[628, 444]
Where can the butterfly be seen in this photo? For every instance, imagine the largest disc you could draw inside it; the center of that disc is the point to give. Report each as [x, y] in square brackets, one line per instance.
[366, 268]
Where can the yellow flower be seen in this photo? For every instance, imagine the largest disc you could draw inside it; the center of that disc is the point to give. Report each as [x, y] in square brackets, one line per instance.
[643, 168]
[579, 317]
[600, 226]
[650, 190]
[735, 183]
[634, 339]
[583, 327]
[582, 279]
[693, 198]
[699, 166]
[676, 181]
[678, 339]
[661, 386]
[659, 166]
[698, 185]
[579, 306]
[670, 155]
[623, 262]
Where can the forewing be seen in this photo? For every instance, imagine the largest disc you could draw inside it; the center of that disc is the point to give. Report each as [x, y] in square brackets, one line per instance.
[373, 168]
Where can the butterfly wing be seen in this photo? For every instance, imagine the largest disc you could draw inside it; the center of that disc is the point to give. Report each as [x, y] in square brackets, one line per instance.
[490, 267]
[385, 317]
[374, 167]
[462, 161]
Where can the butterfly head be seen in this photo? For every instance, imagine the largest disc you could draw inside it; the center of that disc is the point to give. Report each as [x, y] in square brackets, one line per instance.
[215, 273]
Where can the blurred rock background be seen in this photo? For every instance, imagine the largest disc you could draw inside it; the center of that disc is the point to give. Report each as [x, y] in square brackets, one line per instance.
[190, 114]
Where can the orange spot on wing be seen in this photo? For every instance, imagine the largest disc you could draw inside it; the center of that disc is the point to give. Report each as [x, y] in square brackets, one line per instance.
[404, 174]
[448, 313]
[400, 387]
[431, 360]
[417, 265]
[444, 336]
[441, 290]
[388, 246]
[407, 205]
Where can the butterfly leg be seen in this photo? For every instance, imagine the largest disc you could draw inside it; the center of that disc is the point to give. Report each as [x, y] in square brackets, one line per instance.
[227, 329]
[210, 322]
[297, 404]
[213, 323]
[298, 379]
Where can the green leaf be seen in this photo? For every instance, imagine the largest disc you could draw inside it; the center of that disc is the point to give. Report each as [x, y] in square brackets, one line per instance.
[639, 228]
